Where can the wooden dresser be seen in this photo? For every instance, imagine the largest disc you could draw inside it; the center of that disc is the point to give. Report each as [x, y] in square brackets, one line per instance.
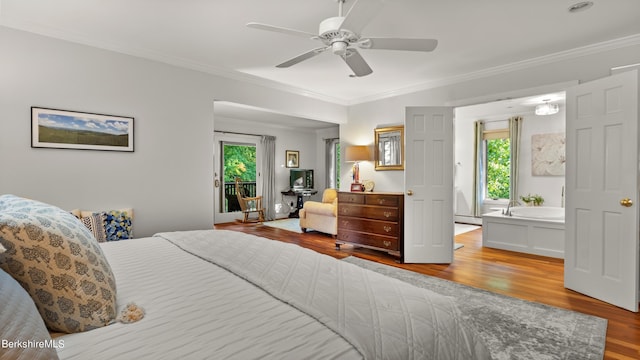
[372, 220]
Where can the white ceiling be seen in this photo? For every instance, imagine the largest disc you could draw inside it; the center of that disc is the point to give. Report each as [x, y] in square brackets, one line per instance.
[475, 37]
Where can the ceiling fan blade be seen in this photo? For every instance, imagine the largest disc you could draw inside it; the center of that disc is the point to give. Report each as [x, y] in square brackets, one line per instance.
[356, 63]
[399, 44]
[282, 30]
[302, 57]
[360, 14]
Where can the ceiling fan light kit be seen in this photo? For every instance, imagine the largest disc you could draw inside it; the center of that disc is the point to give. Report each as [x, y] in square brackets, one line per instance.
[342, 35]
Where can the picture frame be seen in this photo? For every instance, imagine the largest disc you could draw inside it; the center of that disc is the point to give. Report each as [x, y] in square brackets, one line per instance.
[64, 129]
[292, 159]
[357, 187]
[389, 148]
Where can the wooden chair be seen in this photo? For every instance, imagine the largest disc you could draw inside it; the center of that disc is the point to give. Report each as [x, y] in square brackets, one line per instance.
[248, 204]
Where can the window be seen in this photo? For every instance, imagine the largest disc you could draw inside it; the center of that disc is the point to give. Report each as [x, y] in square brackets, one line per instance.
[238, 160]
[497, 154]
[333, 163]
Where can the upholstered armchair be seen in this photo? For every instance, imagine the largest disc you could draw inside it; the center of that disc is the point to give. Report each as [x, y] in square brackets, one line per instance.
[321, 216]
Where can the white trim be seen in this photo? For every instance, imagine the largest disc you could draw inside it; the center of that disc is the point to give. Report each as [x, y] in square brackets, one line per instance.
[520, 65]
[236, 75]
[514, 94]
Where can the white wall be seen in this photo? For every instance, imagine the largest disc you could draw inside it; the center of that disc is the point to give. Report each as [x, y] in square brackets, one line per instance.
[365, 117]
[309, 142]
[168, 179]
[549, 187]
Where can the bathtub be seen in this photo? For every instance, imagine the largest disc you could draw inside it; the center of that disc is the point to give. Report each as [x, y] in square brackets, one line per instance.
[538, 212]
[537, 230]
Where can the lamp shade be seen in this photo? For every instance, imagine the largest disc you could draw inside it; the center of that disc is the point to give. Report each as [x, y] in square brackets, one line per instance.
[357, 153]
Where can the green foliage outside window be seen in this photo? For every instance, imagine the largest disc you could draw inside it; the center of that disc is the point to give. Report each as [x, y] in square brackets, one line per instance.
[239, 161]
[498, 168]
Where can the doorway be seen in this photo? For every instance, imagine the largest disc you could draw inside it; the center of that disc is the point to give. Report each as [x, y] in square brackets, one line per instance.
[495, 116]
[235, 156]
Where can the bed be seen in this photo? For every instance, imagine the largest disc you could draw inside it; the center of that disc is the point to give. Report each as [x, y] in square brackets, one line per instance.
[217, 294]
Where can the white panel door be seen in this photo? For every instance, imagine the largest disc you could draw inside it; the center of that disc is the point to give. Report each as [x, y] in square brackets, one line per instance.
[601, 248]
[428, 229]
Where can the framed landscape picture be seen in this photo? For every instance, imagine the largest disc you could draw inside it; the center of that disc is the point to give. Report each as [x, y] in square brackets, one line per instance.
[52, 128]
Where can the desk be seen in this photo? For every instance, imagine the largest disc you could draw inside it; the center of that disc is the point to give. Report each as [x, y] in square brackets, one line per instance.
[299, 194]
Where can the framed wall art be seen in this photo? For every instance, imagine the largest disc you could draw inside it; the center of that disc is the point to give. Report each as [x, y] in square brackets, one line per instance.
[548, 154]
[63, 129]
[292, 158]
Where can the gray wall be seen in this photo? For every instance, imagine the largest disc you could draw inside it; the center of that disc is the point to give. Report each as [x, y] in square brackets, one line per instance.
[168, 179]
[519, 82]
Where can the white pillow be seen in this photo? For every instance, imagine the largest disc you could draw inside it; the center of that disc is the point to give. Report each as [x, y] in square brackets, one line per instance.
[20, 323]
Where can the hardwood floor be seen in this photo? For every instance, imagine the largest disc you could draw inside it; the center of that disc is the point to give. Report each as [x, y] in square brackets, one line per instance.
[529, 277]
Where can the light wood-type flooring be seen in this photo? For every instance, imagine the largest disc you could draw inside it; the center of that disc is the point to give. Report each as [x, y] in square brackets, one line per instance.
[529, 277]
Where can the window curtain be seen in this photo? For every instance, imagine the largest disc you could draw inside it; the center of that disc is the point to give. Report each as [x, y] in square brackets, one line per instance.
[395, 149]
[478, 171]
[268, 147]
[390, 145]
[515, 130]
[330, 162]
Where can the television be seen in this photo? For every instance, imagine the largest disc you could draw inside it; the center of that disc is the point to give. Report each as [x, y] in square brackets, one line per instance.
[301, 179]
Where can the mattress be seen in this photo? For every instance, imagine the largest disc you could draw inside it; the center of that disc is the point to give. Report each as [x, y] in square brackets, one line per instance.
[197, 310]
[219, 294]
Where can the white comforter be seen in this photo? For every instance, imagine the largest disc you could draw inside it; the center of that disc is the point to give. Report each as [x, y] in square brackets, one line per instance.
[295, 304]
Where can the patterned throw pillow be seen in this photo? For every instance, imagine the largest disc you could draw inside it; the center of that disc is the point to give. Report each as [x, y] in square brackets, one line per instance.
[117, 225]
[60, 264]
[95, 224]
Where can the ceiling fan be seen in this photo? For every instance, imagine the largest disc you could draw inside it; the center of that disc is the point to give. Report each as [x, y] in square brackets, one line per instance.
[342, 35]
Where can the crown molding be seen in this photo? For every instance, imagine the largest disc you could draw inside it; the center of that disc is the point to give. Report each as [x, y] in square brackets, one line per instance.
[152, 55]
[520, 65]
[226, 73]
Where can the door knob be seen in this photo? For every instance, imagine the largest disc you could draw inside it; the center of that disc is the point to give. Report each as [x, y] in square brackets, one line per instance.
[409, 192]
[626, 202]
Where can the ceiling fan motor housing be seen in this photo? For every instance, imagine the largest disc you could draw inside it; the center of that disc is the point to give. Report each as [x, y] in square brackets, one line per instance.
[332, 35]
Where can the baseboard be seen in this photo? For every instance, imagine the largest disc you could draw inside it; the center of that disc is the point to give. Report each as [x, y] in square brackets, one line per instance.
[465, 219]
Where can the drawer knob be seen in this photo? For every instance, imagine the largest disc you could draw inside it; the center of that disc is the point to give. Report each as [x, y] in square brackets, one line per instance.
[387, 228]
[387, 214]
[345, 222]
[386, 243]
[381, 201]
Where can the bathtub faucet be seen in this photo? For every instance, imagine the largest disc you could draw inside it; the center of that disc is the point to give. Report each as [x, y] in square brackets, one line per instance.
[507, 211]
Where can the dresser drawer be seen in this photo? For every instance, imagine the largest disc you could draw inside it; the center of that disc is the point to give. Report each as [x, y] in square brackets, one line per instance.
[386, 228]
[382, 200]
[378, 241]
[350, 198]
[369, 212]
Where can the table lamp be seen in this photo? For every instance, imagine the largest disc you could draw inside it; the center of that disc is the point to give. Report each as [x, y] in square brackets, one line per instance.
[356, 154]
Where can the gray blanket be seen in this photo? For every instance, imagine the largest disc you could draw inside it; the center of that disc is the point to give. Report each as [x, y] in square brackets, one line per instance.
[382, 317]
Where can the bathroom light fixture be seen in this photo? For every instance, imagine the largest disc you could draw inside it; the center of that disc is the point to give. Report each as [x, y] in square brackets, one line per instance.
[547, 109]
